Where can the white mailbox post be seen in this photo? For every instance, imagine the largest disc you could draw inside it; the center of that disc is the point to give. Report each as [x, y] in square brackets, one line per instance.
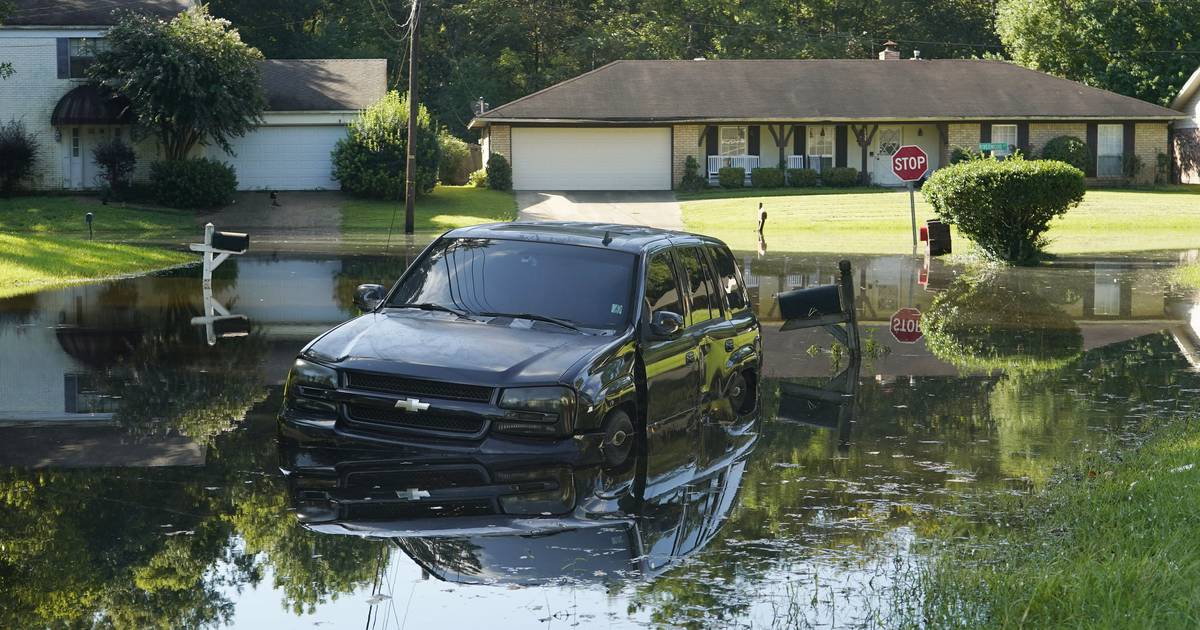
[216, 249]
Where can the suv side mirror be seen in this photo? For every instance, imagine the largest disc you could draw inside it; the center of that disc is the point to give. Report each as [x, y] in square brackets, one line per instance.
[368, 296]
[666, 323]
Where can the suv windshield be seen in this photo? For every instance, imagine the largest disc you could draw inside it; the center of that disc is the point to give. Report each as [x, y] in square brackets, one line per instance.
[586, 287]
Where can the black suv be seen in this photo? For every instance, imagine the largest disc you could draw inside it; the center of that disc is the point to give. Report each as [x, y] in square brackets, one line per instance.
[569, 339]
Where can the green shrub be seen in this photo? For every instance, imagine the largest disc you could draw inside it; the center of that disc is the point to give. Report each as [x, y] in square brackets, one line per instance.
[731, 177]
[802, 177]
[370, 161]
[454, 161]
[478, 179]
[193, 183]
[1005, 207]
[18, 155]
[499, 172]
[116, 161]
[766, 177]
[1131, 166]
[963, 154]
[1162, 168]
[1067, 149]
[692, 180]
[840, 177]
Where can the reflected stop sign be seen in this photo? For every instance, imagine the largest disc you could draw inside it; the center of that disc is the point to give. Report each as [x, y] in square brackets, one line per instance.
[906, 325]
[909, 163]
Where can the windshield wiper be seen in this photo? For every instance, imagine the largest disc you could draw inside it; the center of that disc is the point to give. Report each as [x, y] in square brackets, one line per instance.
[430, 306]
[541, 318]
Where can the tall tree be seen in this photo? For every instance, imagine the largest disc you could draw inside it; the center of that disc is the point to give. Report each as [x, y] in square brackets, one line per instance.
[190, 80]
[1141, 48]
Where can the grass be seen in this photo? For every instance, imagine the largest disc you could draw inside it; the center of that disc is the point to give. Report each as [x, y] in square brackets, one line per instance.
[446, 208]
[1111, 544]
[64, 216]
[31, 263]
[876, 221]
[1188, 275]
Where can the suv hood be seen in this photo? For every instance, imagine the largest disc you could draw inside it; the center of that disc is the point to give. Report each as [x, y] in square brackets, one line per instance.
[440, 346]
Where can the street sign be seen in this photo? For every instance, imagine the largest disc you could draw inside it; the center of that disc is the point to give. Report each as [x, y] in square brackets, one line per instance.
[906, 325]
[910, 163]
[993, 146]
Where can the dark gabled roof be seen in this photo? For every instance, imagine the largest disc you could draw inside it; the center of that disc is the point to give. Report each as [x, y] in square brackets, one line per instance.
[87, 12]
[293, 85]
[818, 90]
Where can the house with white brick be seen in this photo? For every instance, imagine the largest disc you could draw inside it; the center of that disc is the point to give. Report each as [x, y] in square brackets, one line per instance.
[1185, 132]
[632, 124]
[49, 45]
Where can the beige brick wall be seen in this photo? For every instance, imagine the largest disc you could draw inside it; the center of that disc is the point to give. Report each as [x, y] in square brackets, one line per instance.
[1149, 139]
[965, 135]
[685, 141]
[1041, 133]
[498, 139]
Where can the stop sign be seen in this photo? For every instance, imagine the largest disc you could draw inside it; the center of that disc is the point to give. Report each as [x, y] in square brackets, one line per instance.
[906, 325]
[910, 163]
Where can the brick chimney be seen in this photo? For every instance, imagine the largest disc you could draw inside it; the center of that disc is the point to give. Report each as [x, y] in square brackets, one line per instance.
[889, 51]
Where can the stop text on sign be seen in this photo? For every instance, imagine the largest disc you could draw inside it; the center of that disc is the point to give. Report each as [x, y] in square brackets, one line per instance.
[905, 325]
[910, 163]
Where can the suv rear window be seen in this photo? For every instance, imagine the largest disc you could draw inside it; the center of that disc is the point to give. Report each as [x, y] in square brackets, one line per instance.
[587, 286]
[728, 278]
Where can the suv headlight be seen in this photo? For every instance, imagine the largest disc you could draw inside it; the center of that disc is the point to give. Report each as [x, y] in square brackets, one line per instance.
[308, 381]
[538, 410]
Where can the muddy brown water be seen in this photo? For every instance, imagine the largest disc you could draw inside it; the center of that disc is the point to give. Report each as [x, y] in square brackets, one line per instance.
[141, 484]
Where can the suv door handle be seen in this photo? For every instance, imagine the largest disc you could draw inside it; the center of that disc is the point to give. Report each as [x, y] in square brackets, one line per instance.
[728, 345]
[690, 357]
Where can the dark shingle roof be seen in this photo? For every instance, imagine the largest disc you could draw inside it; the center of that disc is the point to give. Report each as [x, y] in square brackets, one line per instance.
[294, 85]
[86, 12]
[819, 89]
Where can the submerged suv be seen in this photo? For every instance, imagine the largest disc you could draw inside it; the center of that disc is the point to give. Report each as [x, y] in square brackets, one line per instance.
[564, 339]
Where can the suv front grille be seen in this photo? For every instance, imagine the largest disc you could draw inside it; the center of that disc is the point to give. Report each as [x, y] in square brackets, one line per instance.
[424, 478]
[408, 420]
[389, 384]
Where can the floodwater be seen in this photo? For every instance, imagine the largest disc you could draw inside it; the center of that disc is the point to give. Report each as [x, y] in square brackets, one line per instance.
[141, 484]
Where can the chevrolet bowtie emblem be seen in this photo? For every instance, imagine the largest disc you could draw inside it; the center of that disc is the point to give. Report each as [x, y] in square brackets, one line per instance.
[411, 404]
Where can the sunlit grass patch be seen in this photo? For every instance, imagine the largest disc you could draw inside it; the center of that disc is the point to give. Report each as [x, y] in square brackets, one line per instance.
[31, 263]
[1188, 275]
[446, 208]
[64, 216]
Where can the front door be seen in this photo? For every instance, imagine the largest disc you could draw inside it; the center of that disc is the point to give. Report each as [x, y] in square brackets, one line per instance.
[73, 163]
[889, 139]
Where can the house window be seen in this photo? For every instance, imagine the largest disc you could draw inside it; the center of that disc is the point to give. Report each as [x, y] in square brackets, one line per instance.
[82, 54]
[1110, 150]
[820, 147]
[1004, 134]
[733, 141]
[75, 142]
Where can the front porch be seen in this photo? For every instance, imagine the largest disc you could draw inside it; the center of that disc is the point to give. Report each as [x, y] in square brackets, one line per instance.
[751, 162]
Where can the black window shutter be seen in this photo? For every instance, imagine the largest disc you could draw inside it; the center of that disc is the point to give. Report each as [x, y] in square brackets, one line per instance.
[710, 141]
[752, 139]
[985, 132]
[1127, 144]
[799, 140]
[840, 139]
[1093, 138]
[1023, 138]
[64, 58]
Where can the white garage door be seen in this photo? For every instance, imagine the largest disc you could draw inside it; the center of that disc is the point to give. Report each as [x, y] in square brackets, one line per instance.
[284, 158]
[586, 158]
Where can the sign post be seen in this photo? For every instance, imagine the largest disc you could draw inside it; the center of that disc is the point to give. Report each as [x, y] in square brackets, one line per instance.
[910, 163]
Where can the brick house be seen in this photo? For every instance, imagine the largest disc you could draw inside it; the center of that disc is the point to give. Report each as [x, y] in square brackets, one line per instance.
[50, 44]
[631, 124]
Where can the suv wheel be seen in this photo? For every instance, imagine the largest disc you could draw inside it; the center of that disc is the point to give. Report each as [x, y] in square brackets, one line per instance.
[741, 394]
[619, 438]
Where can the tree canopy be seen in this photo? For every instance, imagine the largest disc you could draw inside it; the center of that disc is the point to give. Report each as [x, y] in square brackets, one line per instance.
[191, 80]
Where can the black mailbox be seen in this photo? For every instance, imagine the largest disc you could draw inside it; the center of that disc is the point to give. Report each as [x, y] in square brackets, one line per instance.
[813, 302]
[236, 326]
[939, 238]
[234, 242]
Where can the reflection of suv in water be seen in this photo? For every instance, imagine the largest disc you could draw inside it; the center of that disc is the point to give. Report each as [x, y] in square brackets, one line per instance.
[565, 338]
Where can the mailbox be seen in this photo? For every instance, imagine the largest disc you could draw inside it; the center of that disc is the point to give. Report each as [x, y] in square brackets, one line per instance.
[939, 238]
[235, 242]
[232, 326]
[813, 302]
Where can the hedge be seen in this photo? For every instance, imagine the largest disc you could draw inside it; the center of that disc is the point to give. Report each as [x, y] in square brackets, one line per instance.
[732, 177]
[802, 177]
[1067, 149]
[193, 183]
[840, 177]
[499, 172]
[1005, 207]
[766, 178]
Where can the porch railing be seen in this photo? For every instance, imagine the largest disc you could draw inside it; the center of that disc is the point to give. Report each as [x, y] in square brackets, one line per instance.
[795, 161]
[718, 162]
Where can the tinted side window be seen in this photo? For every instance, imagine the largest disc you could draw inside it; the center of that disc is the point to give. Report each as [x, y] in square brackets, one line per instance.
[662, 293]
[727, 278]
[705, 303]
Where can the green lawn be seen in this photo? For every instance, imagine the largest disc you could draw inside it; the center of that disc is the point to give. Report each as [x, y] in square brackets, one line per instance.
[446, 208]
[876, 221]
[1188, 275]
[65, 216]
[1112, 544]
[32, 262]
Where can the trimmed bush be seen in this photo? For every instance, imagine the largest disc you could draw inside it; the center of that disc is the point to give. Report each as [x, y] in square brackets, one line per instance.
[963, 154]
[193, 183]
[454, 161]
[1005, 207]
[1131, 166]
[499, 172]
[802, 177]
[478, 179]
[766, 177]
[370, 161]
[18, 155]
[1067, 149]
[731, 177]
[840, 177]
[116, 161]
[692, 180]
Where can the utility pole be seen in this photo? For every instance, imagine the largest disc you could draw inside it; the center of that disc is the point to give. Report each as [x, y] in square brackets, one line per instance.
[410, 163]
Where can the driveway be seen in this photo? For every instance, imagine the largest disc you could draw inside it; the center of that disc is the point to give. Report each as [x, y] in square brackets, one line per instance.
[656, 208]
